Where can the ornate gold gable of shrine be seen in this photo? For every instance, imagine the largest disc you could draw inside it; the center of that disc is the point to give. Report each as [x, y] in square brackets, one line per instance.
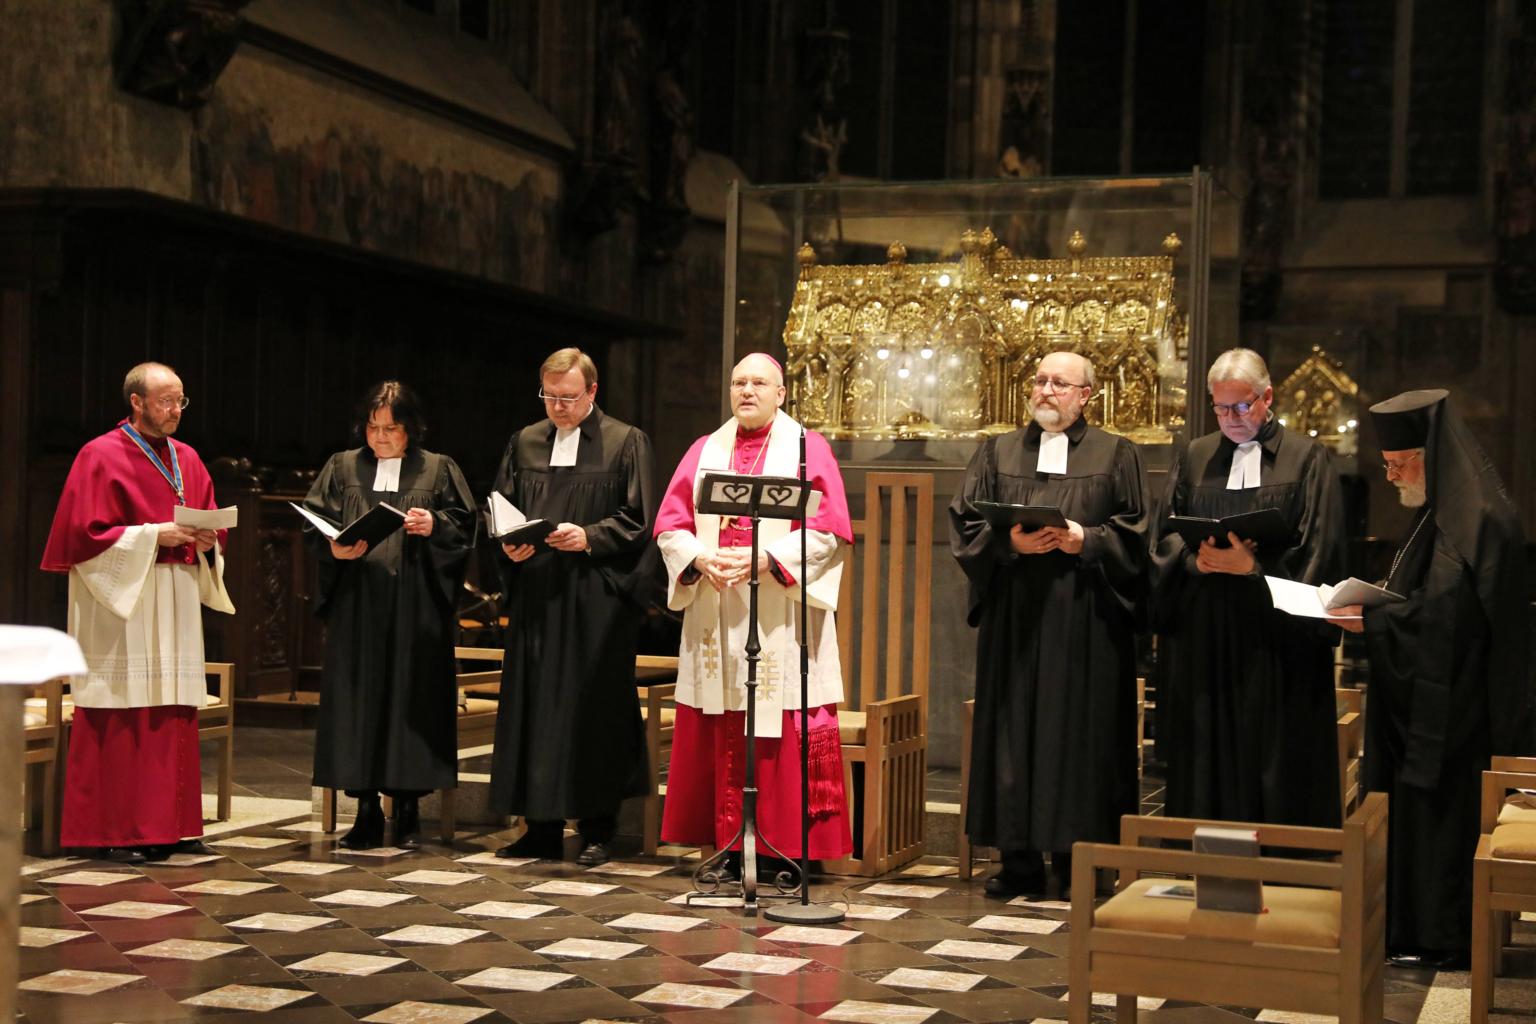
[1321, 400]
[948, 350]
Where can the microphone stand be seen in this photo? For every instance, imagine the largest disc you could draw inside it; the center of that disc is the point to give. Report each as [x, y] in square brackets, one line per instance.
[804, 912]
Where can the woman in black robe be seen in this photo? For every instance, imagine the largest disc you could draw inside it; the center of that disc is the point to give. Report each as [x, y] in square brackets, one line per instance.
[1245, 701]
[1053, 750]
[570, 742]
[387, 693]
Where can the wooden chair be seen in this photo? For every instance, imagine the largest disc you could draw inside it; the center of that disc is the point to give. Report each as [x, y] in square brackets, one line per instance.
[965, 852]
[42, 732]
[884, 721]
[216, 723]
[1319, 947]
[1351, 738]
[1503, 870]
[656, 677]
[476, 727]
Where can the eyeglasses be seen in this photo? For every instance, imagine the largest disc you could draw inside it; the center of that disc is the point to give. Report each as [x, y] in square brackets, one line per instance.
[561, 399]
[1400, 465]
[1055, 384]
[755, 384]
[1235, 408]
[168, 404]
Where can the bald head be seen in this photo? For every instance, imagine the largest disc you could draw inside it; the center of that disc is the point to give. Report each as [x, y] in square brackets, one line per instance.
[757, 391]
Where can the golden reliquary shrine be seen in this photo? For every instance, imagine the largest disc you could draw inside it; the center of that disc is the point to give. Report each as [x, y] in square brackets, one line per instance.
[948, 350]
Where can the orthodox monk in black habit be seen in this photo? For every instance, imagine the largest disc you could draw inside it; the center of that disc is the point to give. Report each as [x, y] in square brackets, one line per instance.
[1246, 708]
[1053, 755]
[387, 694]
[1450, 670]
[569, 739]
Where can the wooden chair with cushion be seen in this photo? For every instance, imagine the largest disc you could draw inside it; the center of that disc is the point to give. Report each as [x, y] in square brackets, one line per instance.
[968, 854]
[42, 733]
[216, 724]
[1318, 947]
[1351, 737]
[476, 724]
[884, 721]
[656, 678]
[1503, 870]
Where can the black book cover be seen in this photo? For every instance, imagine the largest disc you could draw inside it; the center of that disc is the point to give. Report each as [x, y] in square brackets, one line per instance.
[1264, 526]
[1004, 517]
[372, 526]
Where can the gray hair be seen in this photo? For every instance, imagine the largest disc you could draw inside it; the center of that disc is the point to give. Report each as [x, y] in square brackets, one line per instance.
[1239, 364]
[137, 381]
[1084, 363]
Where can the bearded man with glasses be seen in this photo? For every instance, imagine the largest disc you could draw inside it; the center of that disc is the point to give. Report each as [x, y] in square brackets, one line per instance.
[1246, 709]
[1450, 670]
[1053, 752]
[137, 584]
[569, 739]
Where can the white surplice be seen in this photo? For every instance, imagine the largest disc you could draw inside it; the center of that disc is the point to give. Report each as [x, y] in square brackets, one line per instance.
[712, 664]
[139, 623]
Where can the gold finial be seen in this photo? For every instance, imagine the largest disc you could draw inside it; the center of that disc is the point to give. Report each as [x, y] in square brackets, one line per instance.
[1172, 244]
[806, 256]
[988, 240]
[968, 241]
[896, 253]
[1077, 243]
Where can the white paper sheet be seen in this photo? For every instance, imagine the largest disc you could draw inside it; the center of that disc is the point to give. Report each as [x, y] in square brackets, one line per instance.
[207, 518]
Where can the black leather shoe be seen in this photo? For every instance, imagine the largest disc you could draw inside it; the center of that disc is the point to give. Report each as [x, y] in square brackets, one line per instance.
[196, 847]
[535, 846]
[367, 831]
[407, 823]
[123, 854]
[1430, 960]
[1003, 886]
[592, 855]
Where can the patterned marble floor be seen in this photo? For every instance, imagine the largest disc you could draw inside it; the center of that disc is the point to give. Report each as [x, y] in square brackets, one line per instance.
[283, 924]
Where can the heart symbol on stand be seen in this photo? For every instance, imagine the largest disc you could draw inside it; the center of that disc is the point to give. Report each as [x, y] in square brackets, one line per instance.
[780, 494]
[736, 492]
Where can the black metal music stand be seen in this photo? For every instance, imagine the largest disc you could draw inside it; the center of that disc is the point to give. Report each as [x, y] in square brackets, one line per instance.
[756, 498]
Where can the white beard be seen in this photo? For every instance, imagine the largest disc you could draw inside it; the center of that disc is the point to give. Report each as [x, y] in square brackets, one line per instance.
[1412, 495]
[1050, 419]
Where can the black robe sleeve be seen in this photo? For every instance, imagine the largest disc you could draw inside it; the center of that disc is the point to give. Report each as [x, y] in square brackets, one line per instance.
[628, 527]
[1117, 548]
[976, 546]
[454, 526]
[324, 499]
[1429, 649]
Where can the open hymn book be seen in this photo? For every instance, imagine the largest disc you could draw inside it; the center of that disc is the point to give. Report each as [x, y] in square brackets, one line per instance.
[508, 525]
[1316, 602]
[372, 526]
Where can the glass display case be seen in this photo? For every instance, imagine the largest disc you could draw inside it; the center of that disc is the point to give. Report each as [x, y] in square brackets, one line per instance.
[910, 316]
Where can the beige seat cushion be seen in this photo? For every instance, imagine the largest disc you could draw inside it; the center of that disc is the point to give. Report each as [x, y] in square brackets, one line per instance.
[852, 727]
[1518, 809]
[32, 719]
[478, 706]
[1292, 916]
[1515, 841]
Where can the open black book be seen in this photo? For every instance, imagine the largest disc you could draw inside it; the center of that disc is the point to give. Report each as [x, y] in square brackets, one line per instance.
[507, 525]
[1005, 517]
[1263, 526]
[372, 526]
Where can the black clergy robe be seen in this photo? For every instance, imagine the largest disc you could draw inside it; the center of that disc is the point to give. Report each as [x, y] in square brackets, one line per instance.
[1053, 748]
[569, 738]
[387, 693]
[1246, 711]
[1451, 685]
